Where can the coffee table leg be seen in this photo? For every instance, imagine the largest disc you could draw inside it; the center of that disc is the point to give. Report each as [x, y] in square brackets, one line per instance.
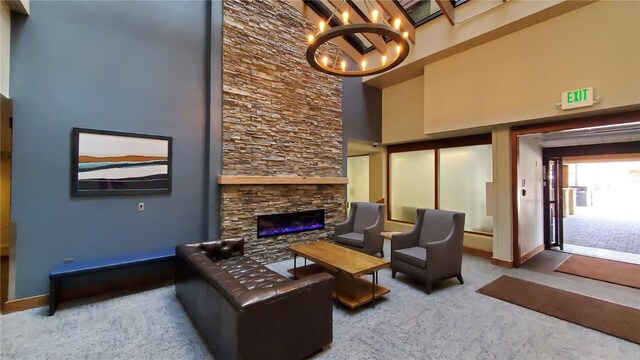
[295, 272]
[373, 288]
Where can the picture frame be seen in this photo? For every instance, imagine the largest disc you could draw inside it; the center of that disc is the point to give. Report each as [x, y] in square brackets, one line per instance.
[119, 163]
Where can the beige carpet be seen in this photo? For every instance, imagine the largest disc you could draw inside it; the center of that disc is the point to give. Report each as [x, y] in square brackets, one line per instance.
[611, 271]
[607, 317]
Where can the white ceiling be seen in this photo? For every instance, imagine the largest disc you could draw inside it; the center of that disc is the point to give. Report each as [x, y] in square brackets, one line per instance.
[589, 136]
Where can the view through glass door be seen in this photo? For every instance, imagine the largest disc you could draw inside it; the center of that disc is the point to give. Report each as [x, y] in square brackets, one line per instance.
[552, 184]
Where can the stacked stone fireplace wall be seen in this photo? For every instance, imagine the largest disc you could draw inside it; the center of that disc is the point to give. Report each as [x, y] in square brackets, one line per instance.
[280, 118]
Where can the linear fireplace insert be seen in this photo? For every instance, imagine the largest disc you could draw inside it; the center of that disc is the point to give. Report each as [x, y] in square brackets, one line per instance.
[287, 223]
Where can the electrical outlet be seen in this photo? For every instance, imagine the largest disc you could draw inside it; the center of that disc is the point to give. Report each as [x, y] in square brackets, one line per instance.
[141, 207]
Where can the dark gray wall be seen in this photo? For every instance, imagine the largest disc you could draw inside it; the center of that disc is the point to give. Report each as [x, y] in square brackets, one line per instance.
[361, 111]
[361, 114]
[215, 120]
[125, 66]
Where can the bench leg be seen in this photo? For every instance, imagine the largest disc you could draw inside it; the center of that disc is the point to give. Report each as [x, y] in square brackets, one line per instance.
[53, 296]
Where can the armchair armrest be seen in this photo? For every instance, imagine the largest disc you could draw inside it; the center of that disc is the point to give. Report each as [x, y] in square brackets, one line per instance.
[405, 240]
[411, 238]
[343, 228]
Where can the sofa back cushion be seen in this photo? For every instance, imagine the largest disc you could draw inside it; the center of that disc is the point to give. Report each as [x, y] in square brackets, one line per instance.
[222, 249]
[250, 273]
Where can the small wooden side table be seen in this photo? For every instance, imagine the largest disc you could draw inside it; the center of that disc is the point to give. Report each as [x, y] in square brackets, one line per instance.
[388, 234]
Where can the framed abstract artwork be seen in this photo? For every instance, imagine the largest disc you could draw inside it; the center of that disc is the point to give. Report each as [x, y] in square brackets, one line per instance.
[119, 163]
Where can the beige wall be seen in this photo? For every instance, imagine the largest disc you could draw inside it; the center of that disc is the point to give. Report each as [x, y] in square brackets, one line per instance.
[5, 47]
[502, 217]
[376, 176]
[403, 111]
[530, 206]
[520, 76]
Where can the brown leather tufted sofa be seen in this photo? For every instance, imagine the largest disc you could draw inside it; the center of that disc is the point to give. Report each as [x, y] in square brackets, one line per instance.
[246, 311]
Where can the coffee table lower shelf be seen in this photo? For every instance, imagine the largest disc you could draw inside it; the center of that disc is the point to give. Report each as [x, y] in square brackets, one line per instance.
[352, 292]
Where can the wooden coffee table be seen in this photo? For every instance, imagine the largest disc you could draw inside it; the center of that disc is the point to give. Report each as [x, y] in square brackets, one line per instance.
[347, 266]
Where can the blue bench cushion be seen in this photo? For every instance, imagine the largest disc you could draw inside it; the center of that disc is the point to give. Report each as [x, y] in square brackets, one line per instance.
[106, 263]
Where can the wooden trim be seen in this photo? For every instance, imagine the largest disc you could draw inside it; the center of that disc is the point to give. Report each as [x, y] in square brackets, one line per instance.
[388, 175]
[610, 149]
[591, 121]
[601, 158]
[502, 263]
[478, 252]
[476, 232]
[471, 140]
[514, 151]
[25, 303]
[538, 249]
[447, 9]
[280, 180]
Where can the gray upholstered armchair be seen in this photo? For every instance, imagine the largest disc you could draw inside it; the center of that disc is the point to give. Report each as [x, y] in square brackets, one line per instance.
[362, 229]
[432, 250]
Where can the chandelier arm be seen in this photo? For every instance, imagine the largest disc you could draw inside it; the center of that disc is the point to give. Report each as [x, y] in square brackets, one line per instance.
[333, 13]
[335, 60]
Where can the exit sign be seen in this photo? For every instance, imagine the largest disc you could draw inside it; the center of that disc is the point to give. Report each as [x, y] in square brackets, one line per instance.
[577, 98]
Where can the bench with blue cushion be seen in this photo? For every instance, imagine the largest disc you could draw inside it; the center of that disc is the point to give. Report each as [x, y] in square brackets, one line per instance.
[83, 267]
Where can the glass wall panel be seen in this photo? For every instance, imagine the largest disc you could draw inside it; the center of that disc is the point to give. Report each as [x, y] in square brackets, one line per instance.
[464, 172]
[358, 174]
[412, 183]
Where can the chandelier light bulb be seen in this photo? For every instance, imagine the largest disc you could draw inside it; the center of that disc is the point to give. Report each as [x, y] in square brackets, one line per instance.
[310, 38]
[343, 65]
[384, 59]
[364, 65]
[345, 17]
[405, 34]
[321, 26]
[396, 24]
[374, 15]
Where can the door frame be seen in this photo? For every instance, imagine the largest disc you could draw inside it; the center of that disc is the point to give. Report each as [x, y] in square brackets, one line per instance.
[576, 123]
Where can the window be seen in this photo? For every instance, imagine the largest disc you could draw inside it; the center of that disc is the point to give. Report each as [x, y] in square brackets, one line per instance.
[446, 174]
[412, 183]
[464, 171]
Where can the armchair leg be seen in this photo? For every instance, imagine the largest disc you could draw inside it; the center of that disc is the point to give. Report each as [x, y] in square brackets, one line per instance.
[427, 287]
[393, 274]
[459, 277]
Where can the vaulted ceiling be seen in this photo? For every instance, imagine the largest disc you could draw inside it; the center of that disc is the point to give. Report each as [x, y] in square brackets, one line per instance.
[412, 14]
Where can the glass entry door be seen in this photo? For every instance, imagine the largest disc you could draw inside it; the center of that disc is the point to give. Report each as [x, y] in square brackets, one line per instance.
[552, 194]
